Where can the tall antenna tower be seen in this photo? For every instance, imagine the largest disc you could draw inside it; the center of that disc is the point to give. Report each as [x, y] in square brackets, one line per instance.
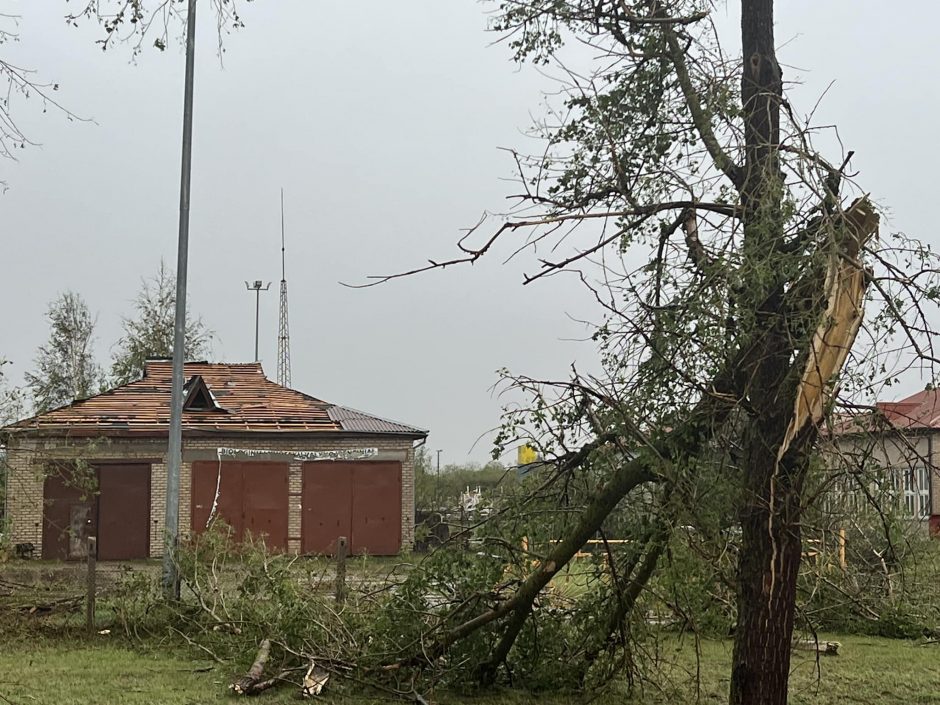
[283, 330]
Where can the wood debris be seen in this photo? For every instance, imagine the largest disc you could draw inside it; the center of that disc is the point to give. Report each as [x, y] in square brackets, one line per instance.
[824, 648]
[314, 680]
[250, 683]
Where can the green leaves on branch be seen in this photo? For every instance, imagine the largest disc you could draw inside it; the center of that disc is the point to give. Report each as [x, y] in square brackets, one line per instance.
[65, 366]
[149, 332]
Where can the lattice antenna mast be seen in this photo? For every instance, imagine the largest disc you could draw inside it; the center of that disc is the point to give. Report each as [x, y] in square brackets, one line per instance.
[283, 331]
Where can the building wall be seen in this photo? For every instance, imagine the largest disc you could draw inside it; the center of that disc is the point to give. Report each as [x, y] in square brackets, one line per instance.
[893, 451]
[28, 458]
[935, 475]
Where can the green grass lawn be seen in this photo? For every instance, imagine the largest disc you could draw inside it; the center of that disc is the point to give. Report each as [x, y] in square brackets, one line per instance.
[102, 672]
[867, 670]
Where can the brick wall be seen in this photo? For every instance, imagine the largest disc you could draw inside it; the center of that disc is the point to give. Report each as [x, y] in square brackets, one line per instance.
[28, 457]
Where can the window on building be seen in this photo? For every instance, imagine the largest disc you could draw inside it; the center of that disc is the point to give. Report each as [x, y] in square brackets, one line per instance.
[922, 484]
[912, 490]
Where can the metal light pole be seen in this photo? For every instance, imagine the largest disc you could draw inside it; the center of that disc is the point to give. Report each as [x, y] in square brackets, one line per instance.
[171, 586]
[257, 287]
[438, 483]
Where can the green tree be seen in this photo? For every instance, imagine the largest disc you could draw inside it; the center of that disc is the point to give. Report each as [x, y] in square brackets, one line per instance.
[149, 333]
[11, 403]
[441, 491]
[65, 366]
[729, 258]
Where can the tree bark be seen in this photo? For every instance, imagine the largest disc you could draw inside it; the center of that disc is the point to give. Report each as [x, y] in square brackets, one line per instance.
[768, 567]
[250, 682]
[769, 558]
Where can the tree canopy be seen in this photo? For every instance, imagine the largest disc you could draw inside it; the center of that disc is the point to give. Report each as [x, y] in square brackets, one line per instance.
[10, 398]
[148, 333]
[732, 263]
[65, 367]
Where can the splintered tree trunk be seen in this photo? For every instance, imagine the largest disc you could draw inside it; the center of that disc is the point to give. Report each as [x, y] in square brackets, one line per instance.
[770, 514]
[767, 572]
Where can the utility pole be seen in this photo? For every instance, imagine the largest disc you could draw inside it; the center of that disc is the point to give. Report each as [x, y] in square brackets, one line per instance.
[257, 287]
[171, 585]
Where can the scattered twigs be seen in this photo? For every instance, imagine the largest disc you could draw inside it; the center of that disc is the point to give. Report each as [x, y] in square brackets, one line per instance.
[199, 646]
[44, 606]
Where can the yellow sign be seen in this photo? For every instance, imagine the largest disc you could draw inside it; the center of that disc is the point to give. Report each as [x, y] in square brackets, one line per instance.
[526, 454]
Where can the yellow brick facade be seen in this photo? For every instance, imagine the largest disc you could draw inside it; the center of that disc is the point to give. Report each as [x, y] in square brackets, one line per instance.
[28, 457]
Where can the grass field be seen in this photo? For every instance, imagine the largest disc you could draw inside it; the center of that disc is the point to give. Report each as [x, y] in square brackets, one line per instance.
[46, 660]
[869, 670]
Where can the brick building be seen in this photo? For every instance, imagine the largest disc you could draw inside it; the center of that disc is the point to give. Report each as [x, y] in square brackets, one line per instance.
[266, 459]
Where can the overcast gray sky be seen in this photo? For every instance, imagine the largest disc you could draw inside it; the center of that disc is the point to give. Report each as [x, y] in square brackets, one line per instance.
[382, 121]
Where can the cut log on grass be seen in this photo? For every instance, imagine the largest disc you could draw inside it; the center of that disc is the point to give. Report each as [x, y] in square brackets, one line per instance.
[251, 683]
[314, 680]
[825, 648]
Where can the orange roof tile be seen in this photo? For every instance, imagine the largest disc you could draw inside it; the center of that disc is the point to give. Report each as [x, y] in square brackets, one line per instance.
[247, 400]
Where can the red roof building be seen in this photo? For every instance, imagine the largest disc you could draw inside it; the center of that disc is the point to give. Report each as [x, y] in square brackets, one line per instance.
[286, 467]
[902, 437]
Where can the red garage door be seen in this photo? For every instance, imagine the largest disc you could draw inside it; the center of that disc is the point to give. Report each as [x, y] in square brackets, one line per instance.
[123, 512]
[252, 498]
[117, 512]
[360, 500]
[68, 515]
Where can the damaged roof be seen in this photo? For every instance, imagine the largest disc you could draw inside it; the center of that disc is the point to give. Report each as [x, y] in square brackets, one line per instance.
[243, 400]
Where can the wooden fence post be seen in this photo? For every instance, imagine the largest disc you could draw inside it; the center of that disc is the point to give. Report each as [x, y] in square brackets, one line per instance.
[90, 598]
[341, 549]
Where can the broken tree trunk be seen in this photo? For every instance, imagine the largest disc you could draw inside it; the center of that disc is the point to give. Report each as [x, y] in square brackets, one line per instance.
[777, 462]
[682, 442]
[251, 682]
[627, 477]
[768, 566]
